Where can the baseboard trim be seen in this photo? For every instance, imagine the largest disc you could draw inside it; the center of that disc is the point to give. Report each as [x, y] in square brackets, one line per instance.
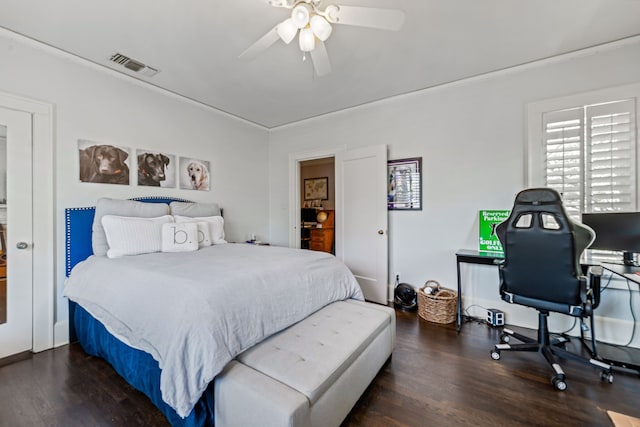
[61, 333]
[609, 330]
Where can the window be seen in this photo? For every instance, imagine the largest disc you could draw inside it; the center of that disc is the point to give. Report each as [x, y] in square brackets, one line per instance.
[586, 147]
[590, 157]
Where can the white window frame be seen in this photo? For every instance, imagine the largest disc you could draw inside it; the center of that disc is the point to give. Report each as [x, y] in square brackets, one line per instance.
[535, 143]
[534, 160]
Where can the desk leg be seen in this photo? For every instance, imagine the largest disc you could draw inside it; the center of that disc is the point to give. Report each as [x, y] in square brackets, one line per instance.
[459, 314]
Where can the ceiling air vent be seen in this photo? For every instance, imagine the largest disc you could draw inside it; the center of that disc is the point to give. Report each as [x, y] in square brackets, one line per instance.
[133, 65]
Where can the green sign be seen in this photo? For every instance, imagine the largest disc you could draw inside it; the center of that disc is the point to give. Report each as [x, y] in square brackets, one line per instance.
[488, 238]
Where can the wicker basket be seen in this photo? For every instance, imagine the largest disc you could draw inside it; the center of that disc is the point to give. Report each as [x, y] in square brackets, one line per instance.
[439, 307]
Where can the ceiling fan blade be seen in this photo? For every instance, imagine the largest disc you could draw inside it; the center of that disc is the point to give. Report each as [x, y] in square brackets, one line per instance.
[261, 45]
[288, 4]
[320, 59]
[383, 19]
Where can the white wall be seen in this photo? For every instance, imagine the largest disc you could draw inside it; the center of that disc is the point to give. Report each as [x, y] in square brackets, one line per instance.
[471, 137]
[103, 106]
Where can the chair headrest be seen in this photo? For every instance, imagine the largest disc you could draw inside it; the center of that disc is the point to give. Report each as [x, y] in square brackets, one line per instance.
[538, 196]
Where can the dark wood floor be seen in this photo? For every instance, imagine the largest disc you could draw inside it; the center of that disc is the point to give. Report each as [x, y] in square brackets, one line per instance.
[436, 378]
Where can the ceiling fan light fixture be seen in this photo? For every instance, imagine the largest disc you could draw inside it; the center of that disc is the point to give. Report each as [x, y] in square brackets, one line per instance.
[321, 28]
[300, 15]
[307, 40]
[315, 20]
[331, 13]
[287, 30]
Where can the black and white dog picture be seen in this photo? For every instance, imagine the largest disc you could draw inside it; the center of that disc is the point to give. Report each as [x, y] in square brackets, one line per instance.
[156, 169]
[103, 163]
[194, 174]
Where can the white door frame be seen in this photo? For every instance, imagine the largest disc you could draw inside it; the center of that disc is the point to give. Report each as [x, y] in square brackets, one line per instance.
[294, 190]
[44, 283]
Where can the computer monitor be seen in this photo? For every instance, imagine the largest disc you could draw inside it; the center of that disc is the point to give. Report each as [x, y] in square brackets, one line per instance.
[615, 231]
[308, 215]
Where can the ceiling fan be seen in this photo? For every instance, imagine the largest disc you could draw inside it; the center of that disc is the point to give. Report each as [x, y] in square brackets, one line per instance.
[313, 22]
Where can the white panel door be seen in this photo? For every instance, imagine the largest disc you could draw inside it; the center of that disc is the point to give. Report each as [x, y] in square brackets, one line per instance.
[361, 222]
[16, 218]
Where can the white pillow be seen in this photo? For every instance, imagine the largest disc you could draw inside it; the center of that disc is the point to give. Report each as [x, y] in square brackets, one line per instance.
[126, 208]
[179, 237]
[133, 235]
[204, 235]
[193, 209]
[216, 226]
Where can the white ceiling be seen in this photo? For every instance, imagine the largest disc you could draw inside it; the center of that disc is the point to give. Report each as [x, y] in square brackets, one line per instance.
[196, 43]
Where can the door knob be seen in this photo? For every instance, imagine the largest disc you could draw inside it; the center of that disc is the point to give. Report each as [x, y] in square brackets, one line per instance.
[380, 232]
[22, 245]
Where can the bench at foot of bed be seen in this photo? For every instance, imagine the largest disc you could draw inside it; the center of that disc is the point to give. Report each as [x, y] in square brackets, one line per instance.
[310, 374]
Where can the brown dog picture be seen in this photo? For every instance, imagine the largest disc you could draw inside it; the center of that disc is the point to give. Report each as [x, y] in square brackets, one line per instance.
[156, 169]
[194, 174]
[103, 163]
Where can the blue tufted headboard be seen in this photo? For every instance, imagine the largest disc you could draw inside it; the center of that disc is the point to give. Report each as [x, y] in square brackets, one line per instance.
[78, 226]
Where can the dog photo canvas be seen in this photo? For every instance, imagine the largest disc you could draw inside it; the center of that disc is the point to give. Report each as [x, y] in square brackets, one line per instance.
[194, 174]
[103, 163]
[156, 169]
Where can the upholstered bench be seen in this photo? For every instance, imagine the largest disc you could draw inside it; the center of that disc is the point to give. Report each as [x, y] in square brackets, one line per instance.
[310, 374]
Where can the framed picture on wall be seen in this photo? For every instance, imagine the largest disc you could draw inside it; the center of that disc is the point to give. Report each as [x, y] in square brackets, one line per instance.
[404, 184]
[156, 169]
[316, 188]
[103, 163]
[194, 174]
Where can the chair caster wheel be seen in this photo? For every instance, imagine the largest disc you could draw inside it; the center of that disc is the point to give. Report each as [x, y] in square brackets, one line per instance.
[505, 338]
[559, 382]
[606, 376]
[560, 342]
[495, 354]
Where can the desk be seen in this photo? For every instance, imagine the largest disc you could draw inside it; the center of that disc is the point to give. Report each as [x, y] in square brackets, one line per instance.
[319, 237]
[629, 272]
[473, 257]
[495, 258]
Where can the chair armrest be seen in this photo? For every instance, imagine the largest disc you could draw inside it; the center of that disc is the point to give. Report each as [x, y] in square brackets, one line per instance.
[595, 276]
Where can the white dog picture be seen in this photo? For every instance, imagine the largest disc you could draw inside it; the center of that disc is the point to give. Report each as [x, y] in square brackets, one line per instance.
[194, 174]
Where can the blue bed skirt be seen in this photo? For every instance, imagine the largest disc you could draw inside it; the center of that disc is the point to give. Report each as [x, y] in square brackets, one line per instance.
[137, 367]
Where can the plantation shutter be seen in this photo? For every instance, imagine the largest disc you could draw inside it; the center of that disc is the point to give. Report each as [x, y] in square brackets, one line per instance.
[611, 157]
[590, 157]
[563, 144]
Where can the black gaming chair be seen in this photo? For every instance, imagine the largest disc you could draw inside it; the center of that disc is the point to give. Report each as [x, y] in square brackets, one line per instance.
[541, 269]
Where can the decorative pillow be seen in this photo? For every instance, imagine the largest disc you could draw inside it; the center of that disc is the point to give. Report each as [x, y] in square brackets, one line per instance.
[216, 226]
[180, 237]
[195, 209]
[133, 235]
[204, 235]
[125, 208]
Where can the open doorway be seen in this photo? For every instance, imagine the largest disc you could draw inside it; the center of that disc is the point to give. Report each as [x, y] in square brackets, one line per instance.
[317, 204]
[359, 193]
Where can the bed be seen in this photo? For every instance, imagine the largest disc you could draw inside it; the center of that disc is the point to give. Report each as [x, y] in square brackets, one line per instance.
[135, 310]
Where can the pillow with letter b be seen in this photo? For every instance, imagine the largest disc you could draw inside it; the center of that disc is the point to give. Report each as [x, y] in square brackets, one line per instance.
[204, 235]
[179, 237]
[216, 226]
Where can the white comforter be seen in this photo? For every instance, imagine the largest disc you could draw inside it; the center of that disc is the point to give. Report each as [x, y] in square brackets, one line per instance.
[195, 311]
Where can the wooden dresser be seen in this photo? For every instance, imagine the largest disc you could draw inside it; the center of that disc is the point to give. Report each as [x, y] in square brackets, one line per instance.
[322, 238]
